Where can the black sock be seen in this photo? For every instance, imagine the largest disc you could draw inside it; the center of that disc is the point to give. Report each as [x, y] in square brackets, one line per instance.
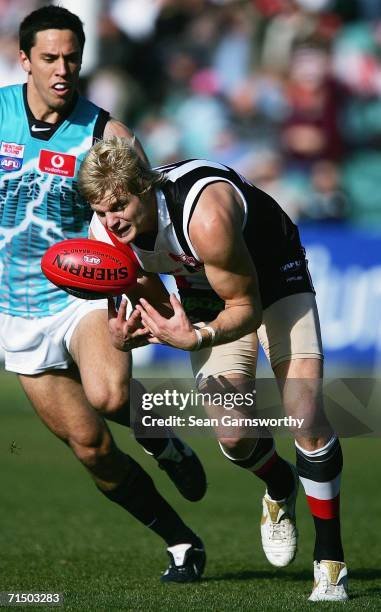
[138, 495]
[320, 472]
[328, 544]
[265, 463]
[279, 479]
[155, 446]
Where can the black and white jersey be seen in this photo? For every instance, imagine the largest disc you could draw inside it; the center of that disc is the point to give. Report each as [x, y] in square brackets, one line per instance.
[271, 238]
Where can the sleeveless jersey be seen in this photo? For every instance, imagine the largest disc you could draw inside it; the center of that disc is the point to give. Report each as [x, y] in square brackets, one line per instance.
[271, 237]
[39, 199]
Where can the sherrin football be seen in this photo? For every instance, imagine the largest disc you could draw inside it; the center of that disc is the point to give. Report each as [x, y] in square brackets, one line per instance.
[90, 269]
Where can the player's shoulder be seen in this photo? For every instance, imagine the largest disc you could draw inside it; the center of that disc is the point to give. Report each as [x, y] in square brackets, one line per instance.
[87, 104]
[11, 102]
[11, 91]
[114, 127]
[87, 113]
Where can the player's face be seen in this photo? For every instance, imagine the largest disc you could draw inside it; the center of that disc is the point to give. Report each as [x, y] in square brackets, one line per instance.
[128, 215]
[53, 71]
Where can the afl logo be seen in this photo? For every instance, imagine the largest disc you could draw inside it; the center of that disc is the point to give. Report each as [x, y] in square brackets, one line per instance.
[57, 161]
[10, 164]
[92, 259]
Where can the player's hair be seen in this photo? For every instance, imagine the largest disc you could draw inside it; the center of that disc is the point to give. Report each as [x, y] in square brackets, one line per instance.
[113, 167]
[49, 18]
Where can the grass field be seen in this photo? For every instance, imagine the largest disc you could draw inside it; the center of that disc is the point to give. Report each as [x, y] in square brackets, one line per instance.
[58, 534]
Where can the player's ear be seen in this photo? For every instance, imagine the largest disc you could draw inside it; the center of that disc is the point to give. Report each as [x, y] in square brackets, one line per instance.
[24, 61]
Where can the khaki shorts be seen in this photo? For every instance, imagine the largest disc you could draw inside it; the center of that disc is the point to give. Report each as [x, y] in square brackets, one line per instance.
[290, 330]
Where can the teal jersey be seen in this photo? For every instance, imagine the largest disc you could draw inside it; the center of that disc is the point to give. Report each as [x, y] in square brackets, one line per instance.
[39, 199]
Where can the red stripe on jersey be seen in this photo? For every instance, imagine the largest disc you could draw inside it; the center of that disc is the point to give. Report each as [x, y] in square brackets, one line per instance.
[266, 466]
[123, 247]
[324, 508]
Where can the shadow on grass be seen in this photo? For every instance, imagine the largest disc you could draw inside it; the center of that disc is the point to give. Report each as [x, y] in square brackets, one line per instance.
[363, 574]
[260, 575]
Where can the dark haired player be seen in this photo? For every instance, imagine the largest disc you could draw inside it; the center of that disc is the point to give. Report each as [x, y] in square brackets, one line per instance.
[50, 338]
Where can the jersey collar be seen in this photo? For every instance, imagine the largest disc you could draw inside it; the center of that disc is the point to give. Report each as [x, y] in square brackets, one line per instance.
[42, 130]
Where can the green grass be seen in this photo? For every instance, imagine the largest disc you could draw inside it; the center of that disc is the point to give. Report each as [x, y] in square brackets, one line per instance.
[58, 534]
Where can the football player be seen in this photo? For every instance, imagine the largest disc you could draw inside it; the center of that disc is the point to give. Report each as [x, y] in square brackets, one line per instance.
[57, 344]
[242, 276]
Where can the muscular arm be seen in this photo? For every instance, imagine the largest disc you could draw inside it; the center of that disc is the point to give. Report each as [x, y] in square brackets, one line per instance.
[216, 234]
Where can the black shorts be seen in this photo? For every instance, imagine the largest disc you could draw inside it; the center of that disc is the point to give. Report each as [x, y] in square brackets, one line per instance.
[281, 272]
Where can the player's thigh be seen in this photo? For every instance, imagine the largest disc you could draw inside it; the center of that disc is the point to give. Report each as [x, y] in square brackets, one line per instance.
[236, 359]
[225, 377]
[58, 398]
[291, 331]
[105, 371]
[291, 338]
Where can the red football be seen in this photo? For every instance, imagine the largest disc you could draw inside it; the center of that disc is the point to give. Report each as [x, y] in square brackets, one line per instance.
[90, 269]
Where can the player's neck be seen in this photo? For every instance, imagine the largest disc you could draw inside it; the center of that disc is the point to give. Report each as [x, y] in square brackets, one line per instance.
[41, 111]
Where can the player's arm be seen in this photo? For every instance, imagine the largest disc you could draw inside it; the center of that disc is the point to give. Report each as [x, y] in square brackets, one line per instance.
[216, 235]
[116, 128]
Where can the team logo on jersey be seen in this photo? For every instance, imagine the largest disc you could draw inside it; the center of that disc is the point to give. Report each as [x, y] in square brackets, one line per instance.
[291, 266]
[54, 162]
[186, 260]
[11, 156]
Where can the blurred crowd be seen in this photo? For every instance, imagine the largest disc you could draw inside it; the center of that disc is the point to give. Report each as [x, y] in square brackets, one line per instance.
[288, 92]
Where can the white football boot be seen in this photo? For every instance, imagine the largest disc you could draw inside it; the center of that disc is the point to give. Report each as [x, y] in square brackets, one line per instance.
[330, 581]
[278, 527]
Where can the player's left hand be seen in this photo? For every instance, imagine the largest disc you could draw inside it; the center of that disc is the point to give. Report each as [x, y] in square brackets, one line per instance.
[126, 333]
[177, 331]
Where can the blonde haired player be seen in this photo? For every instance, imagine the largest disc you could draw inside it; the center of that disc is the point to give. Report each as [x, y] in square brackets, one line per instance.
[242, 276]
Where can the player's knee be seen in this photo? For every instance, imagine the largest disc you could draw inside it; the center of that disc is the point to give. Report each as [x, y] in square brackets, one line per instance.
[92, 449]
[312, 443]
[232, 446]
[110, 399]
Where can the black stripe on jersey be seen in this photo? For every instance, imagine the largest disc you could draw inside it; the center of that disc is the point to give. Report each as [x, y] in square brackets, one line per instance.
[320, 469]
[100, 124]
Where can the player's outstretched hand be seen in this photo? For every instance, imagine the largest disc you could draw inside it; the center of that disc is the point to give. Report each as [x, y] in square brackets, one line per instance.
[177, 331]
[126, 334]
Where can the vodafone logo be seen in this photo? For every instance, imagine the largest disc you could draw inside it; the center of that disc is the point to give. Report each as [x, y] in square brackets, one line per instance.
[58, 161]
[54, 162]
